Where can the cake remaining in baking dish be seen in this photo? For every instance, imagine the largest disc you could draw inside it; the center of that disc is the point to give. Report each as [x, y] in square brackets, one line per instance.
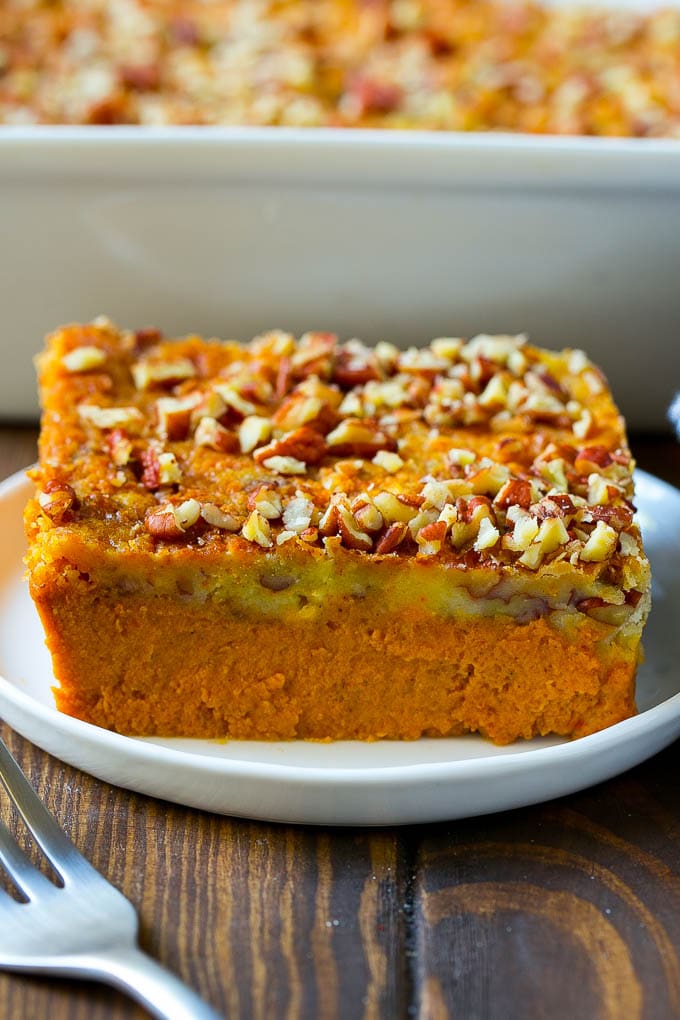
[457, 65]
[302, 538]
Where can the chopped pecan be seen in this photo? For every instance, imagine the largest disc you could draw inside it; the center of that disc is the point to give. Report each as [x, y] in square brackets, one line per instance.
[154, 373]
[297, 516]
[184, 30]
[599, 491]
[162, 524]
[494, 396]
[84, 359]
[462, 511]
[304, 444]
[367, 515]
[551, 535]
[255, 386]
[435, 532]
[487, 536]
[120, 447]
[438, 494]
[551, 383]
[566, 452]
[140, 77]
[171, 522]
[313, 356]
[583, 424]
[487, 478]
[300, 409]
[147, 337]
[524, 531]
[617, 517]
[236, 407]
[564, 502]
[393, 537]
[390, 462]
[252, 392]
[557, 451]
[621, 457]
[283, 378]
[285, 465]
[628, 545]
[368, 95]
[418, 391]
[296, 410]
[107, 111]
[350, 532]
[411, 499]
[510, 448]
[266, 501]
[187, 513]
[253, 431]
[258, 530]
[359, 437]
[558, 505]
[482, 370]
[57, 500]
[212, 515]
[151, 468]
[446, 347]
[429, 542]
[174, 417]
[351, 369]
[211, 434]
[170, 472]
[330, 521]
[473, 504]
[394, 509]
[539, 408]
[590, 458]
[600, 545]
[104, 418]
[210, 405]
[515, 492]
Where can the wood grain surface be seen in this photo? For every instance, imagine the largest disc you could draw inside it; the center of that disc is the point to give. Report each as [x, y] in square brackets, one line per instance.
[568, 910]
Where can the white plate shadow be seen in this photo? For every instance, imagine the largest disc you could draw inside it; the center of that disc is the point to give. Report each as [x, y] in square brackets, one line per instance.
[346, 783]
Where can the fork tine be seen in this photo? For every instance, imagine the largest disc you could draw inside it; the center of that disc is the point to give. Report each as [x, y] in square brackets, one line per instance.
[19, 867]
[59, 850]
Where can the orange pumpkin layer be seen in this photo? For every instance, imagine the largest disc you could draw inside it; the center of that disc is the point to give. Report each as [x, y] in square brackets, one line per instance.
[154, 666]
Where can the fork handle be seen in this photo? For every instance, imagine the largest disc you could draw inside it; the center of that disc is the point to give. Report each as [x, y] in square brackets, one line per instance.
[156, 988]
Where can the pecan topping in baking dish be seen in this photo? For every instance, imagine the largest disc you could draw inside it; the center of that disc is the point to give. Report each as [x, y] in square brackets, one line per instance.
[450, 65]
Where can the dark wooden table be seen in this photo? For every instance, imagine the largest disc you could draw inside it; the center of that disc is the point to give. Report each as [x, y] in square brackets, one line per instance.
[568, 910]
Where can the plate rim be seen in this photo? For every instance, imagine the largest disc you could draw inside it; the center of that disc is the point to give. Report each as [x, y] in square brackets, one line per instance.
[146, 751]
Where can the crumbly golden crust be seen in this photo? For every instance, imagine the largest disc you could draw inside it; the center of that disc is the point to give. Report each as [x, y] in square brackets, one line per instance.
[464, 488]
[443, 64]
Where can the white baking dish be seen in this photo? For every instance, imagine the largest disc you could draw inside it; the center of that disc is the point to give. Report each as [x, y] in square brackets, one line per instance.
[398, 236]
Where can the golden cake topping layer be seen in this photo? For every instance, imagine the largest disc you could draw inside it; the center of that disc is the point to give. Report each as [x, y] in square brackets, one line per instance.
[487, 452]
[470, 65]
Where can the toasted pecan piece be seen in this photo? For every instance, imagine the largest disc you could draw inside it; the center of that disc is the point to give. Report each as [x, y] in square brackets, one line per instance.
[304, 444]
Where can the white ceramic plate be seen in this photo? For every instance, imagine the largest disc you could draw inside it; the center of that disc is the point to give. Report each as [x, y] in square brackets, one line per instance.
[346, 783]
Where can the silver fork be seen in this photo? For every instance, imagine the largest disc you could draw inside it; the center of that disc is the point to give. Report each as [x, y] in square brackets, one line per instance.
[83, 928]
